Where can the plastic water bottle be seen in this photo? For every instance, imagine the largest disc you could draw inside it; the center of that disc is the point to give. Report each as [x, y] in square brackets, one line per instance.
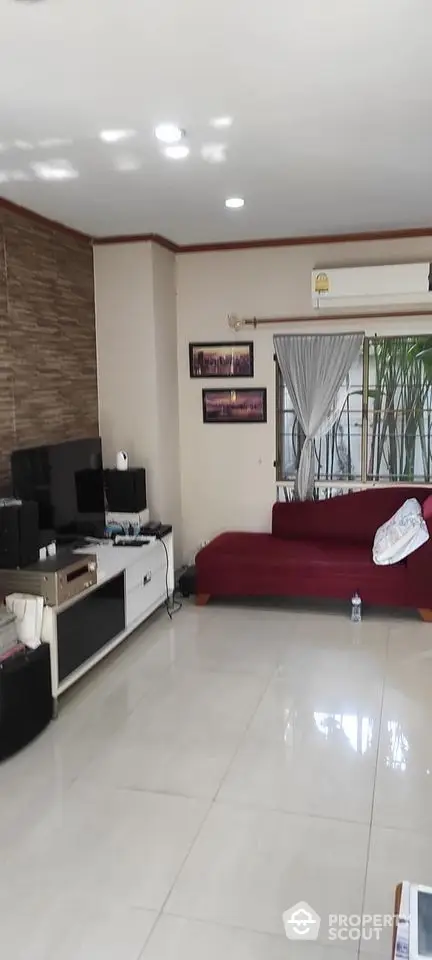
[356, 605]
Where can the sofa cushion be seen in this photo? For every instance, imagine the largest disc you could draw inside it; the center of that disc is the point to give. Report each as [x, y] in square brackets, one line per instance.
[253, 551]
[401, 535]
[236, 544]
[354, 517]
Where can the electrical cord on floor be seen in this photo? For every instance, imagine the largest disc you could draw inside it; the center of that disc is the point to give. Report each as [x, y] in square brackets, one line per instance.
[172, 606]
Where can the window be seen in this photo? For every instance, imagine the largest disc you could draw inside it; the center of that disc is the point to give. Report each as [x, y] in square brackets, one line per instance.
[384, 431]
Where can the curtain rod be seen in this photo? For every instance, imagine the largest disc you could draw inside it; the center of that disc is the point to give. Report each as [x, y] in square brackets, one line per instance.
[237, 323]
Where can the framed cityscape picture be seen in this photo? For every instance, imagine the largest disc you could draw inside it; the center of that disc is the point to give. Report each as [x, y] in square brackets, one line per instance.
[245, 405]
[224, 359]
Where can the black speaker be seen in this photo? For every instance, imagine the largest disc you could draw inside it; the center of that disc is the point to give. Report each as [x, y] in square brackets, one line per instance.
[125, 490]
[187, 581]
[25, 698]
[19, 534]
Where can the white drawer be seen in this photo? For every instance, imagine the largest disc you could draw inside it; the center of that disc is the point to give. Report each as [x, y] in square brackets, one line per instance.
[147, 563]
[144, 595]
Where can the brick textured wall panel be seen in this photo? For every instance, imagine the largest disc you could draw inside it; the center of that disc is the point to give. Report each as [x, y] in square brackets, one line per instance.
[48, 374]
[7, 415]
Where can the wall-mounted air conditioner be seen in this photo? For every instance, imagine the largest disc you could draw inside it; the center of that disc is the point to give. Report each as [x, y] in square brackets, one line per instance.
[350, 288]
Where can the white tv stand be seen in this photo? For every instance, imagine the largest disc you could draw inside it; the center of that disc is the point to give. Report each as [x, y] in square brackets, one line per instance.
[132, 582]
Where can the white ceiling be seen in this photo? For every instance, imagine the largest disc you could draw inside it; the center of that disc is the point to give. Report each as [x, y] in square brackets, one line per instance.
[331, 103]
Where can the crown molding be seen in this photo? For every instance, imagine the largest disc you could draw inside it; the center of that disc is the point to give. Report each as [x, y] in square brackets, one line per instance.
[301, 241]
[270, 242]
[139, 238]
[42, 221]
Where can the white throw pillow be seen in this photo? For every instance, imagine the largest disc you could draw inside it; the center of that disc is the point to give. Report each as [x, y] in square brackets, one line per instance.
[405, 532]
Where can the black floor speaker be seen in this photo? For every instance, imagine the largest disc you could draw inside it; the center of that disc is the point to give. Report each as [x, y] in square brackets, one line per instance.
[19, 534]
[25, 698]
[187, 582]
[126, 490]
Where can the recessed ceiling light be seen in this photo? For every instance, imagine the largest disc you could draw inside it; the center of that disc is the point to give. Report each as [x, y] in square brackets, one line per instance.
[214, 152]
[178, 152]
[234, 203]
[220, 122]
[115, 136]
[55, 170]
[169, 133]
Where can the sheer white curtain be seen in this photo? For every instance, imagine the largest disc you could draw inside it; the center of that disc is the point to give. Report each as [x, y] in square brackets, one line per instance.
[314, 368]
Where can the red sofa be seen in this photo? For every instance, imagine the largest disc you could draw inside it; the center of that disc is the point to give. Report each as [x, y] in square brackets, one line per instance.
[320, 549]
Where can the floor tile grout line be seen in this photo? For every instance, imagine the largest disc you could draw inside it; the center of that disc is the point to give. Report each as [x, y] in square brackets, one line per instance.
[225, 925]
[186, 857]
[245, 733]
[257, 808]
[369, 840]
[212, 802]
[140, 955]
[232, 804]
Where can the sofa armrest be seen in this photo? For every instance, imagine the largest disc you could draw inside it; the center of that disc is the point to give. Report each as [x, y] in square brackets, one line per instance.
[282, 516]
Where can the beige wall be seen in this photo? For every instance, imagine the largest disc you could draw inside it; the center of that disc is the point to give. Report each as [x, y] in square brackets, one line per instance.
[167, 497]
[125, 352]
[136, 337]
[227, 474]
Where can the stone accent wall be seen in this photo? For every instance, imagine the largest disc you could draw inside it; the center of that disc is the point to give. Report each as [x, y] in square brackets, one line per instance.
[48, 375]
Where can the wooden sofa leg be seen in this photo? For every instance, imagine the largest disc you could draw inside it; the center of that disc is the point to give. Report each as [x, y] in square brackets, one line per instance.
[426, 615]
[202, 598]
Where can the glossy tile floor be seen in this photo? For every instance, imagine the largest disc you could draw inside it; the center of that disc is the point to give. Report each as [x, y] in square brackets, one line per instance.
[212, 773]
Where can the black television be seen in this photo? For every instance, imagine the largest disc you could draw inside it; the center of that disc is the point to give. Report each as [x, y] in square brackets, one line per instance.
[66, 481]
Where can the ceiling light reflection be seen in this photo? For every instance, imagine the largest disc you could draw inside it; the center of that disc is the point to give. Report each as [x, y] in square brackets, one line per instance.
[214, 152]
[20, 176]
[219, 123]
[177, 152]
[115, 136]
[17, 175]
[54, 170]
[168, 133]
[50, 142]
[127, 164]
[23, 145]
[234, 203]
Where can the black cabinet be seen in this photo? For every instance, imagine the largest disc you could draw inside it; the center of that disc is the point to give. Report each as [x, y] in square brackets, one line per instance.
[90, 623]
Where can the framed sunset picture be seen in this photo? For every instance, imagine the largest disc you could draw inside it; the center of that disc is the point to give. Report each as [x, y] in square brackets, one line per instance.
[245, 405]
[222, 359]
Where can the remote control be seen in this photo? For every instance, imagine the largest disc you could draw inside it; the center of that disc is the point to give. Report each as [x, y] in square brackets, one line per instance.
[127, 541]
